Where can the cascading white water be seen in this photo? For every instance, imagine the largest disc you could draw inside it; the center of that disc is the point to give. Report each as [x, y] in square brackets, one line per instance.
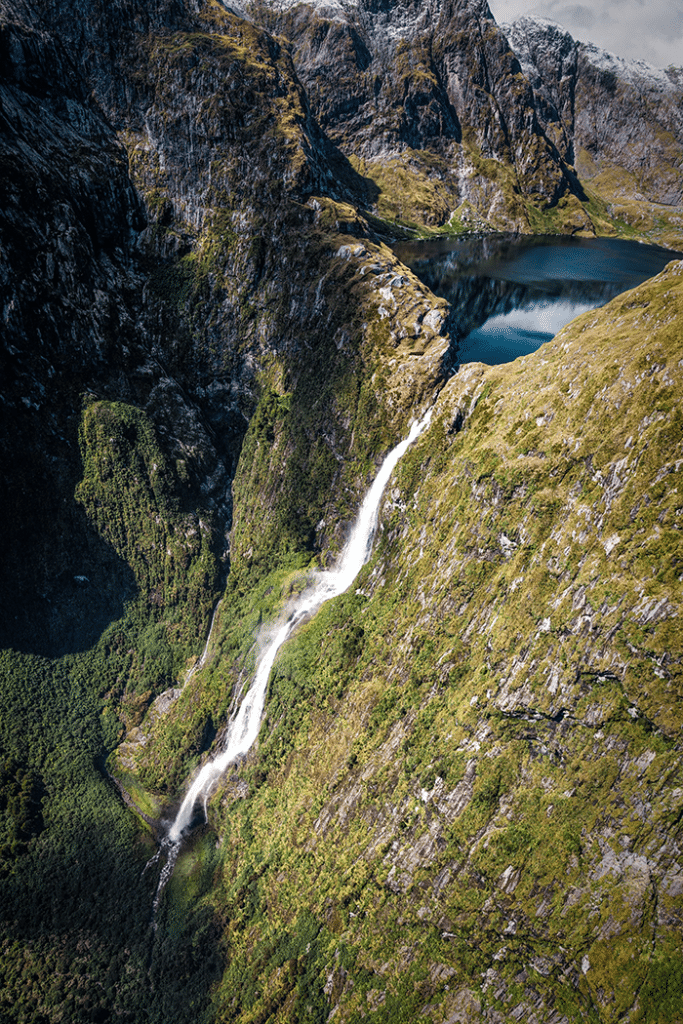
[244, 728]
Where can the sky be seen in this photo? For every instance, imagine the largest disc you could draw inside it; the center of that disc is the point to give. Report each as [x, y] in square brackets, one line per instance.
[650, 30]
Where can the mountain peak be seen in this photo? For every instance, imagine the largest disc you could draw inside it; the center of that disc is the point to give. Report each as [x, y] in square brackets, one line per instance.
[533, 32]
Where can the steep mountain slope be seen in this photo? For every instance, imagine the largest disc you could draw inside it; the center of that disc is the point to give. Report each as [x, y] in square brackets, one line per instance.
[466, 799]
[461, 122]
[623, 121]
[175, 254]
[430, 103]
[206, 352]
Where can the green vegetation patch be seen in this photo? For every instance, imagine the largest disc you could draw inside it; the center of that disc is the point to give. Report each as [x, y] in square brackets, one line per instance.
[446, 807]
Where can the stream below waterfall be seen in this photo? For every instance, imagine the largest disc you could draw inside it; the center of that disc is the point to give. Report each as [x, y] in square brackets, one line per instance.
[511, 293]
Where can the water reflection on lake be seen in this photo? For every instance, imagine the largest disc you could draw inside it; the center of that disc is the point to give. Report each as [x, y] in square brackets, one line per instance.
[511, 293]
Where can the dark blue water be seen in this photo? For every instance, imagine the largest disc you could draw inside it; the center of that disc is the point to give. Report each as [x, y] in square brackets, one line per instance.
[510, 294]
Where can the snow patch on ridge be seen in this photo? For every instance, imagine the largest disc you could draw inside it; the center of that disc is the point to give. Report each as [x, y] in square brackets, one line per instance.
[635, 72]
[543, 33]
[404, 20]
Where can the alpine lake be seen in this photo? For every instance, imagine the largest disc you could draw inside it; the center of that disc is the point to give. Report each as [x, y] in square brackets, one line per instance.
[511, 293]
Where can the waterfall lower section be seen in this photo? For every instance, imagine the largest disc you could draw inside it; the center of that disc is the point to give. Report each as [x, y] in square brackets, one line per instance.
[243, 729]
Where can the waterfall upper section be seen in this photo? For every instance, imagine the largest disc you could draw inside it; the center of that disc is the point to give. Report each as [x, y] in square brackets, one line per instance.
[323, 586]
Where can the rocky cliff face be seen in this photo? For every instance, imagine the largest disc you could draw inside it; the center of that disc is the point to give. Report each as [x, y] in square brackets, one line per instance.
[472, 124]
[206, 351]
[430, 102]
[621, 121]
[152, 277]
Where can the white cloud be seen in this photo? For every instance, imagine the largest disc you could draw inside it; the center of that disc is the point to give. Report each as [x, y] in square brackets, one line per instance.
[649, 30]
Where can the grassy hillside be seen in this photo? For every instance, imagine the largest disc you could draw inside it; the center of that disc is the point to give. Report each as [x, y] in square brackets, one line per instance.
[466, 798]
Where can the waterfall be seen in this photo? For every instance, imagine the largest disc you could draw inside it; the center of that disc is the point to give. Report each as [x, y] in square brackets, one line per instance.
[323, 586]
[205, 653]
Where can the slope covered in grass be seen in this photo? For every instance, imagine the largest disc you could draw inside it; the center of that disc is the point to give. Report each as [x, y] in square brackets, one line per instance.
[466, 797]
